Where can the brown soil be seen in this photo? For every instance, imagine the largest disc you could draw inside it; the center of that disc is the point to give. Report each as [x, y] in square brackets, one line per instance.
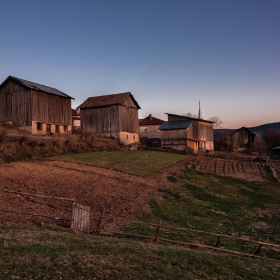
[121, 195]
[241, 167]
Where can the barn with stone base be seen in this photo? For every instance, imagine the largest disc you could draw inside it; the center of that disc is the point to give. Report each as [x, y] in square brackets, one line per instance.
[34, 107]
[114, 115]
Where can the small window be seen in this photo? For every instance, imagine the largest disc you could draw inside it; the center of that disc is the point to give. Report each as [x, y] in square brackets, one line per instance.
[57, 129]
[39, 126]
[144, 129]
[126, 136]
[133, 137]
[48, 128]
[65, 128]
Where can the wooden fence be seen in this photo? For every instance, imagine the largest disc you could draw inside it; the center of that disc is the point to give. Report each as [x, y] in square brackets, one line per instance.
[82, 219]
[80, 213]
[100, 228]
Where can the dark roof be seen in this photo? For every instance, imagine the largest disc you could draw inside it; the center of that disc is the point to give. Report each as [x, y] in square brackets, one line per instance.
[107, 100]
[150, 120]
[35, 86]
[190, 118]
[246, 129]
[175, 124]
[74, 112]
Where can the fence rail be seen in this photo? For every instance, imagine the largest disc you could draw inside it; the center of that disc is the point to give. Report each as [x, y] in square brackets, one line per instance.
[159, 226]
[82, 217]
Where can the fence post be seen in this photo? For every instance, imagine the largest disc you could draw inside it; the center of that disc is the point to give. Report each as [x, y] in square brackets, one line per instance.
[258, 250]
[218, 241]
[73, 207]
[157, 231]
[100, 221]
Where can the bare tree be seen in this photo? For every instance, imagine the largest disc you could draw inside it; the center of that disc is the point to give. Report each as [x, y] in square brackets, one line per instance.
[272, 138]
[217, 122]
[189, 114]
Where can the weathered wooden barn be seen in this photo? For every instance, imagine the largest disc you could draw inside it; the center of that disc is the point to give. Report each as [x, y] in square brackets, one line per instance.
[114, 115]
[34, 107]
[187, 134]
[149, 127]
[242, 139]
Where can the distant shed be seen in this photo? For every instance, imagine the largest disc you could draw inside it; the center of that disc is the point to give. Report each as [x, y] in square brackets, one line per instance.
[242, 138]
[37, 108]
[114, 115]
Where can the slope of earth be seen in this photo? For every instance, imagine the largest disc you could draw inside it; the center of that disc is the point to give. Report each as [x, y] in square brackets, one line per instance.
[120, 194]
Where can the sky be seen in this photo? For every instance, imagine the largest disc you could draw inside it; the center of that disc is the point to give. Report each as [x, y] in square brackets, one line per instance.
[170, 54]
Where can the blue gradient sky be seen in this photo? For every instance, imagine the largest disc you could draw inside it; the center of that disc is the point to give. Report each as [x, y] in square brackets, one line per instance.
[168, 54]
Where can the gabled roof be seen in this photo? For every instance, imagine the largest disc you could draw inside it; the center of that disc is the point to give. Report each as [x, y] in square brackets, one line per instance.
[150, 120]
[246, 129]
[35, 86]
[175, 124]
[107, 100]
[190, 118]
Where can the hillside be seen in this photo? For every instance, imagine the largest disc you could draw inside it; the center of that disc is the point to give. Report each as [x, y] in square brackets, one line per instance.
[260, 129]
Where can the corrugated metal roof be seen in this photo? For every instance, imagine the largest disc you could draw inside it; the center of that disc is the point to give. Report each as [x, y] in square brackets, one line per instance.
[176, 124]
[107, 100]
[38, 87]
[190, 118]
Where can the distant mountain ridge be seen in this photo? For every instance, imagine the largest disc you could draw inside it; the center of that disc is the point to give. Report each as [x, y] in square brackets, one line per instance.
[260, 129]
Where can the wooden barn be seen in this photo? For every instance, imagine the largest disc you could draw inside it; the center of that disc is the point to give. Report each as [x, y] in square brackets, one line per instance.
[114, 115]
[37, 108]
[242, 139]
[187, 134]
[149, 127]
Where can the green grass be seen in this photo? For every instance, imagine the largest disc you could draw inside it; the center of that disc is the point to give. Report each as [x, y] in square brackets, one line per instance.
[220, 205]
[140, 163]
[41, 253]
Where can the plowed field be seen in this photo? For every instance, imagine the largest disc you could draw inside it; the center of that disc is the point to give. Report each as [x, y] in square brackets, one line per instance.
[242, 169]
[120, 194]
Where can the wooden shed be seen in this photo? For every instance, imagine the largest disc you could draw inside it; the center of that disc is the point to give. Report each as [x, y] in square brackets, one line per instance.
[242, 138]
[187, 134]
[37, 108]
[114, 115]
[149, 127]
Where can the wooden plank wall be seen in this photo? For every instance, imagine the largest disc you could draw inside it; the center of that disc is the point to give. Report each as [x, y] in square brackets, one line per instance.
[111, 119]
[100, 120]
[175, 136]
[15, 104]
[22, 105]
[52, 109]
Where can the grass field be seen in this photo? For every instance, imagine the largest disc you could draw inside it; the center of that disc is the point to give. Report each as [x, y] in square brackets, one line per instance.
[196, 200]
[41, 253]
[141, 163]
[220, 205]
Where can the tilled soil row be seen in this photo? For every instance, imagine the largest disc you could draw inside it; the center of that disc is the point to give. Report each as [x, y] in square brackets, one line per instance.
[251, 171]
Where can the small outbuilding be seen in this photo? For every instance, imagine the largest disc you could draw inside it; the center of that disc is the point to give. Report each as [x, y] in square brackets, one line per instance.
[37, 108]
[114, 115]
[187, 134]
[242, 139]
[149, 127]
